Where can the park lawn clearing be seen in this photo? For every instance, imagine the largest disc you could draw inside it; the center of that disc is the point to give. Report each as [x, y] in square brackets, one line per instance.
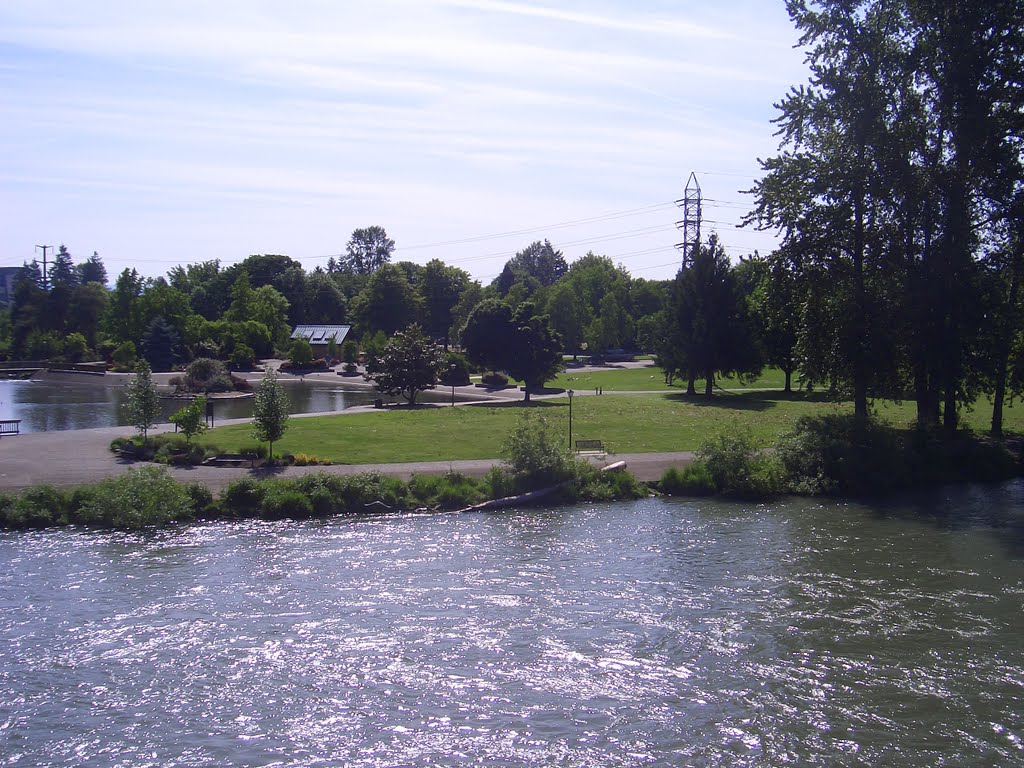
[652, 379]
[625, 423]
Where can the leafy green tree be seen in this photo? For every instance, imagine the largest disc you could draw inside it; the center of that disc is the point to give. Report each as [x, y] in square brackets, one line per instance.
[270, 411]
[536, 354]
[300, 354]
[142, 404]
[537, 265]
[776, 304]
[88, 306]
[325, 302]
[411, 363]
[387, 303]
[488, 335]
[440, 288]
[367, 251]
[568, 315]
[75, 348]
[191, 420]
[708, 326]
[122, 321]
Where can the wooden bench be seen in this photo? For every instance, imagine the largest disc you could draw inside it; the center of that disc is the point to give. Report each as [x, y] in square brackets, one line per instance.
[10, 427]
[231, 460]
[590, 446]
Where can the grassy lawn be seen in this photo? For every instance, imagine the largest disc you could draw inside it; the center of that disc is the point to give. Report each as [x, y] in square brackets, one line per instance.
[663, 419]
[651, 379]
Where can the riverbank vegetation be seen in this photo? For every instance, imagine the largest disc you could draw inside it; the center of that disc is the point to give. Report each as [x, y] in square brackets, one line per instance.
[148, 496]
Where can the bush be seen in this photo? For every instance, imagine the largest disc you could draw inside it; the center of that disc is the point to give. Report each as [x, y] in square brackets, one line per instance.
[499, 482]
[537, 456]
[282, 501]
[37, 507]
[243, 358]
[326, 493]
[450, 491]
[207, 375]
[137, 499]
[739, 469]
[610, 486]
[494, 379]
[243, 497]
[123, 356]
[259, 450]
[693, 480]
[459, 375]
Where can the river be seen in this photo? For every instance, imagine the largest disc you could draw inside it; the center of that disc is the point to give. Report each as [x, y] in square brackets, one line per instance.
[47, 406]
[661, 632]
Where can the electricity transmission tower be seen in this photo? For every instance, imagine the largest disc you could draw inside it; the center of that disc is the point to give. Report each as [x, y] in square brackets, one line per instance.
[690, 224]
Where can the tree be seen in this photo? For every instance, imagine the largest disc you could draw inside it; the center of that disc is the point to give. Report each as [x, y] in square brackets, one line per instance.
[160, 344]
[708, 328]
[536, 353]
[538, 262]
[521, 342]
[122, 317]
[410, 364]
[142, 404]
[88, 305]
[270, 411]
[568, 315]
[62, 270]
[775, 302]
[387, 303]
[440, 287]
[325, 303]
[300, 354]
[191, 420]
[92, 270]
[367, 251]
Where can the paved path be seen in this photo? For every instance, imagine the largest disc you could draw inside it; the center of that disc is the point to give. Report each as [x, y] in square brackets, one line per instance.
[83, 456]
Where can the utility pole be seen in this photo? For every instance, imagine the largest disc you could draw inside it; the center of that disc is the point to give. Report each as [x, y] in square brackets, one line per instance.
[46, 277]
[690, 224]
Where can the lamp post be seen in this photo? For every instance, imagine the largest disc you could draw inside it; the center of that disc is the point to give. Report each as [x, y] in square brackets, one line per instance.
[451, 378]
[570, 393]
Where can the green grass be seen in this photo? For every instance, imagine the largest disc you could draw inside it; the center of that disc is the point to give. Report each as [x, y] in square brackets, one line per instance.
[652, 379]
[664, 419]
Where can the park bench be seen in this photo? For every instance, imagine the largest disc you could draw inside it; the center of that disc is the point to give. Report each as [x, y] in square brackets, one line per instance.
[10, 427]
[231, 460]
[590, 447]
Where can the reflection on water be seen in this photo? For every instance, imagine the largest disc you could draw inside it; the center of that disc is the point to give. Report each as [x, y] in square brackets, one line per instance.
[45, 406]
[660, 632]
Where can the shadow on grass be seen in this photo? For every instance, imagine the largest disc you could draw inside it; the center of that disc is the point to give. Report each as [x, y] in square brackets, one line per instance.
[518, 404]
[748, 401]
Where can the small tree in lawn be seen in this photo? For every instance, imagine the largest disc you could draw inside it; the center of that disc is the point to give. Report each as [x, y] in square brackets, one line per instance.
[191, 420]
[410, 364]
[142, 405]
[270, 411]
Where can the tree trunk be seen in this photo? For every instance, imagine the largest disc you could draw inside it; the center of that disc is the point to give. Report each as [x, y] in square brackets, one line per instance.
[709, 383]
[690, 388]
[789, 381]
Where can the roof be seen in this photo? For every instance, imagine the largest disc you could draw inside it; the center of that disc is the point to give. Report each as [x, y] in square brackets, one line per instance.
[320, 334]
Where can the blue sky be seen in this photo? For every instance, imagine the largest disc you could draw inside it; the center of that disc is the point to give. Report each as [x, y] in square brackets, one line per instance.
[165, 133]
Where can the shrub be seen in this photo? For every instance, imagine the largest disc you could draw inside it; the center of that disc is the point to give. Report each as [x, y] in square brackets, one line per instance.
[609, 486]
[201, 499]
[494, 379]
[459, 375]
[326, 493]
[693, 480]
[37, 507]
[300, 353]
[243, 358]
[123, 356]
[739, 469]
[243, 497]
[207, 375]
[537, 455]
[499, 482]
[258, 450]
[283, 501]
[137, 499]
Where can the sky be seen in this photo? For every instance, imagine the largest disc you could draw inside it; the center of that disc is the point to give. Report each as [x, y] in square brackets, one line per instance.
[159, 134]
